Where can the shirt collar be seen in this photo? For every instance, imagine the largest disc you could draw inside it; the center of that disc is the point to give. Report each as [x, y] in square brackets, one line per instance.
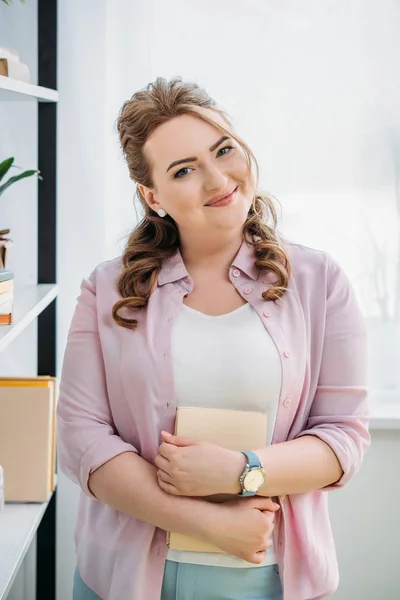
[173, 268]
[245, 261]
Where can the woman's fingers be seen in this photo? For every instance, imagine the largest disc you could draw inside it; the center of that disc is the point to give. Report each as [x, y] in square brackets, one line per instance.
[164, 476]
[264, 503]
[167, 487]
[161, 463]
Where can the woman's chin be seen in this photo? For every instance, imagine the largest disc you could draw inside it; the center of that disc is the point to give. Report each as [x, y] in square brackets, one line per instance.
[231, 217]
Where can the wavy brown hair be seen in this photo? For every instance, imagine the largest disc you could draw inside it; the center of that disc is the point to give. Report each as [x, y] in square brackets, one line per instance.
[155, 239]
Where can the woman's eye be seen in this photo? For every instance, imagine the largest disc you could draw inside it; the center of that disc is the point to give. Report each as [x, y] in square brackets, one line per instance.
[181, 173]
[229, 148]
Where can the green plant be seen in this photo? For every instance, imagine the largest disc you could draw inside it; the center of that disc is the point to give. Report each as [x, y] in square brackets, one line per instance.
[6, 165]
[9, 2]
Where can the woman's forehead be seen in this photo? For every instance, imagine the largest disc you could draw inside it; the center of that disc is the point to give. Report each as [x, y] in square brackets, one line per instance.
[180, 137]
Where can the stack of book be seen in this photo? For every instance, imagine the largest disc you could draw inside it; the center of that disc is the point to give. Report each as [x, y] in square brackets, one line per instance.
[28, 437]
[11, 66]
[6, 296]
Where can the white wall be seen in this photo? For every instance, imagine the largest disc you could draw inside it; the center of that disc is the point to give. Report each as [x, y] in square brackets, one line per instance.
[366, 525]
[313, 88]
[81, 200]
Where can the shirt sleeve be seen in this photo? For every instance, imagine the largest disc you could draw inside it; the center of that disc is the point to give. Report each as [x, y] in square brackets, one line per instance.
[340, 410]
[87, 437]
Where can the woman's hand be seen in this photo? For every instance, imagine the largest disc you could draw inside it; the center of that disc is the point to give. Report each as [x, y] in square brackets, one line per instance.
[244, 527]
[190, 468]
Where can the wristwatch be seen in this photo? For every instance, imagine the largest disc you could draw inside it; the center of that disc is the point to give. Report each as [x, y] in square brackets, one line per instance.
[253, 477]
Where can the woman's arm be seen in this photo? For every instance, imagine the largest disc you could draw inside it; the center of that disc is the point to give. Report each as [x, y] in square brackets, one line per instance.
[128, 483]
[242, 527]
[295, 467]
[188, 468]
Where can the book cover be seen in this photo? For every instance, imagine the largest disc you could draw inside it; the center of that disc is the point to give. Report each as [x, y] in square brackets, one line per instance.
[28, 437]
[233, 429]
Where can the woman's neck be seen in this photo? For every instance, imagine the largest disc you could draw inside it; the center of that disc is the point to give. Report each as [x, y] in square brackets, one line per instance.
[211, 253]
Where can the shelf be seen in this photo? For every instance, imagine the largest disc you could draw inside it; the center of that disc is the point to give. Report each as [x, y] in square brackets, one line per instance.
[29, 302]
[18, 526]
[11, 89]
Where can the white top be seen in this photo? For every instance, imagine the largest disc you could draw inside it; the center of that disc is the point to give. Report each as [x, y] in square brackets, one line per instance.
[229, 361]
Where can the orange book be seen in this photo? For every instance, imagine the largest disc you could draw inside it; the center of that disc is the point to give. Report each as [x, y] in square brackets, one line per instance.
[28, 437]
[238, 430]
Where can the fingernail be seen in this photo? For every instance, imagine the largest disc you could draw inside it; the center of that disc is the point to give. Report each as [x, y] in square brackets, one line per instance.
[276, 505]
[166, 433]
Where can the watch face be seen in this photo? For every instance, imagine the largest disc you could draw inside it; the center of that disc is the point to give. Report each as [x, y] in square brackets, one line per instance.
[254, 480]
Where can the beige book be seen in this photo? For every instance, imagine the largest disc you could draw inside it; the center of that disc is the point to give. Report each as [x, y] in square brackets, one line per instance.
[238, 430]
[28, 437]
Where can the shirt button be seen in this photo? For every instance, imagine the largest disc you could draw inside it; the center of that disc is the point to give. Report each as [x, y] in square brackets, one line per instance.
[287, 402]
[286, 354]
[236, 273]
[168, 404]
[267, 315]
[247, 291]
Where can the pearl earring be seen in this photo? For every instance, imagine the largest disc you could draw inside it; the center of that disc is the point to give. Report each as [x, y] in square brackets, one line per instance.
[161, 212]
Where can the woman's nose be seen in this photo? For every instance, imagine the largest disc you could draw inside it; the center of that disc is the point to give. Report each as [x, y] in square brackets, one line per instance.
[215, 179]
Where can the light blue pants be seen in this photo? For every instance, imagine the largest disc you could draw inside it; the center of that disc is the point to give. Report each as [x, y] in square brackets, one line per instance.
[197, 582]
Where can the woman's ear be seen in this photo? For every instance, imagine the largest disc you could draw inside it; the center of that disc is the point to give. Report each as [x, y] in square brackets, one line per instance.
[148, 195]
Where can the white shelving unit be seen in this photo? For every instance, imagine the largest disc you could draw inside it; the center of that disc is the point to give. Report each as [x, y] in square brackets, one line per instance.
[19, 523]
[18, 526]
[30, 301]
[11, 89]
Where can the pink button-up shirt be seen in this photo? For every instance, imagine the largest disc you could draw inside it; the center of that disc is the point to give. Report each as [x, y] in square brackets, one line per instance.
[117, 394]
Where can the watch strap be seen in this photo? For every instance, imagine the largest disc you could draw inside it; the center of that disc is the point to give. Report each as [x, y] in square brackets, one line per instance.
[253, 461]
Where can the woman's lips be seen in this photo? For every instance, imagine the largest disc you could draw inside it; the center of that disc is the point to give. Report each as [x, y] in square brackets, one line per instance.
[225, 201]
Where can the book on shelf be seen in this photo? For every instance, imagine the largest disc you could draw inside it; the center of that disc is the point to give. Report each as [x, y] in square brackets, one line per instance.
[238, 430]
[28, 437]
[6, 296]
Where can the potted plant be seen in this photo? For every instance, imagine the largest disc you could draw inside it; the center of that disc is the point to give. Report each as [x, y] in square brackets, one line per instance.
[5, 166]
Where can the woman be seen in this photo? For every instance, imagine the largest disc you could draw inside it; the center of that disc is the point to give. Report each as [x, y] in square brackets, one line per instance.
[208, 307]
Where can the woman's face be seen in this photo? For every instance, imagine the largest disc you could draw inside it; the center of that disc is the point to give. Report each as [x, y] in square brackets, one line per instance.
[193, 163]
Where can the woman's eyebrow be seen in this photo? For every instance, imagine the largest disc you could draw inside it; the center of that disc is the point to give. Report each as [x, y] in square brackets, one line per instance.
[193, 158]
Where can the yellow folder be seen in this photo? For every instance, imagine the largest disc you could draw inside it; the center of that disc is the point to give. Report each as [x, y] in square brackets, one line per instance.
[28, 437]
[238, 430]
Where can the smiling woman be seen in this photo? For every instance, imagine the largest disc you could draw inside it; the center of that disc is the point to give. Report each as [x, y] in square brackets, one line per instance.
[208, 308]
[162, 128]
